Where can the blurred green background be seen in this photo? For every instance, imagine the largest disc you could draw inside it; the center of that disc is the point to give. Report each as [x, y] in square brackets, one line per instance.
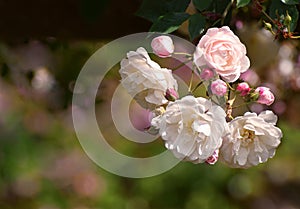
[44, 45]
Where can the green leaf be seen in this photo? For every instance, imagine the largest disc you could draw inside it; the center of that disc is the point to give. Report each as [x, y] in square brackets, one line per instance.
[277, 7]
[196, 25]
[219, 6]
[153, 9]
[202, 4]
[242, 3]
[169, 22]
[290, 2]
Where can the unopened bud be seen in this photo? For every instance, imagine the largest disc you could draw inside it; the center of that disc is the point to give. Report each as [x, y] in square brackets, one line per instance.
[218, 87]
[206, 74]
[214, 158]
[243, 88]
[287, 19]
[171, 95]
[162, 46]
[265, 96]
[268, 26]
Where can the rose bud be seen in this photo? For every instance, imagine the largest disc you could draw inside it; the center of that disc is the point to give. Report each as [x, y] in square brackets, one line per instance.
[265, 96]
[162, 46]
[214, 158]
[171, 95]
[218, 87]
[243, 88]
[206, 74]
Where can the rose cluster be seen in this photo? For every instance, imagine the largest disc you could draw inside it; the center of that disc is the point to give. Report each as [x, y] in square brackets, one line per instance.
[197, 128]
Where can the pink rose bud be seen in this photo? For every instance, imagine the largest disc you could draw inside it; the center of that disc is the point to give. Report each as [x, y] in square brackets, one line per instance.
[171, 95]
[243, 88]
[214, 158]
[218, 87]
[162, 46]
[206, 74]
[265, 95]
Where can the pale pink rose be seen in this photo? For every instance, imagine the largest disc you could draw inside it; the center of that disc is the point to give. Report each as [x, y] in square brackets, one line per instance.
[162, 46]
[265, 95]
[218, 87]
[221, 50]
[206, 74]
[243, 88]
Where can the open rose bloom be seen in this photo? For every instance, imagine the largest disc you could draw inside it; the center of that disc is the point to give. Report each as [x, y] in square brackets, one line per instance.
[145, 80]
[201, 128]
[192, 128]
[251, 139]
[222, 51]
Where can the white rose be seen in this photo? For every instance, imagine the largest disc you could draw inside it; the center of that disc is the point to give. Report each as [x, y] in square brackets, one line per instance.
[145, 80]
[192, 128]
[251, 140]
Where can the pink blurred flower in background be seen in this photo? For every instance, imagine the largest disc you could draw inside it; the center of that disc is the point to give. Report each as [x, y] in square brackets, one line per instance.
[251, 77]
[140, 117]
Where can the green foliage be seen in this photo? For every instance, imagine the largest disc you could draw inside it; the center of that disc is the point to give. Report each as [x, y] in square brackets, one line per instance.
[167, 16]
[169, 22]
[153, 9]
[279, 10]
[291, 2]
[219, 6]
[242, 3]
[202, 4]
[197, 25]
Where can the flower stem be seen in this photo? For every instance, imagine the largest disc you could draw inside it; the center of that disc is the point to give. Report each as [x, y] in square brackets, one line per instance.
[295, 37]
[228, 95]
[183, 53]
[267, 16]
[226, 11]
[191, 82]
